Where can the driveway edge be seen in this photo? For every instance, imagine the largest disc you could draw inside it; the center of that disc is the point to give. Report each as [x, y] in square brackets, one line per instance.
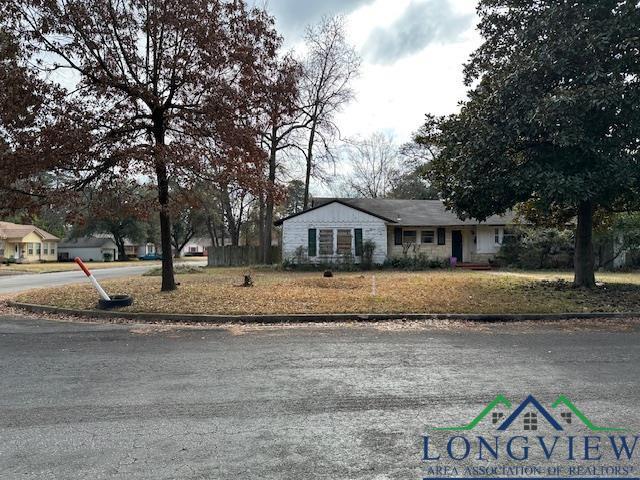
[313, 318]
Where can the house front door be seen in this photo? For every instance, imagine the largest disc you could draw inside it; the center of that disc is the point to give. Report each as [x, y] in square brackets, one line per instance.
[456, 245]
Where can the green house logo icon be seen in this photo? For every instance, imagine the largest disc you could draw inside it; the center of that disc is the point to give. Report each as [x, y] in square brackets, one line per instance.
[532, 413]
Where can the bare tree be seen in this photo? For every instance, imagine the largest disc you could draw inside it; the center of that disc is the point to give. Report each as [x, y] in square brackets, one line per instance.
[330, 65]
[281, 117]
[374, 164]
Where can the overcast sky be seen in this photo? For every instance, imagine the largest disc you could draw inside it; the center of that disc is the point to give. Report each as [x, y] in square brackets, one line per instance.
[412, 50]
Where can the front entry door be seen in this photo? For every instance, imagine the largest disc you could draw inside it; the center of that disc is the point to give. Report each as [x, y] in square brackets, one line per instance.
[456, 241]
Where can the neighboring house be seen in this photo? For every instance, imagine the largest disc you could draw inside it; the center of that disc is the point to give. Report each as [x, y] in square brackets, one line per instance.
[336, 228]
[613, 255]
[27, 243]
[197, 247]
[137, 250]
[94, 248]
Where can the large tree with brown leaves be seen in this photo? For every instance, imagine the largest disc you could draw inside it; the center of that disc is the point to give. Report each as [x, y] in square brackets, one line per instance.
[156, 76]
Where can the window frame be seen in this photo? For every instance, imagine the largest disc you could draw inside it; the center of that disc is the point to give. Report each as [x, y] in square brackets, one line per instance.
[415, 237]
[350, 233]
[321, 251]
[423, 236]
[442, 236]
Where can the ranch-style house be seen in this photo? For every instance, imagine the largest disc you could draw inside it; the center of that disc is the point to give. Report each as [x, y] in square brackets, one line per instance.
[336, 228]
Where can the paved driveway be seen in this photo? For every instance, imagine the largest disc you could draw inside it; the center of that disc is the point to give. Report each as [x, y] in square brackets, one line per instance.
[102, 401]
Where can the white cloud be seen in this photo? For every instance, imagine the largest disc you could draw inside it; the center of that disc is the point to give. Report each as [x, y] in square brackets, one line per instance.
[405, 74]
[422, 23]
[394, 97]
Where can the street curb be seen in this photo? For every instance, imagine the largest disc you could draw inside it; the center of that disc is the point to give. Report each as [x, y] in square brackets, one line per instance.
[314, 318]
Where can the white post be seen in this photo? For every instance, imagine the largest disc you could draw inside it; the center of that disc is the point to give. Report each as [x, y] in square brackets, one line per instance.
[93, 280]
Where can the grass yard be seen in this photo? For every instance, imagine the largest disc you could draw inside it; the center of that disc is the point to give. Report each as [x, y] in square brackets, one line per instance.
[216, 291]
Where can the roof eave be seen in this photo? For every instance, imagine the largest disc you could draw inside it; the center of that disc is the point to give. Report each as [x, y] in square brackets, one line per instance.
[281, 221]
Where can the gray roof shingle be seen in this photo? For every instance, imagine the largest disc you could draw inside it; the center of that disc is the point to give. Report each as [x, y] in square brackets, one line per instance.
[414, 213]
[85, 242]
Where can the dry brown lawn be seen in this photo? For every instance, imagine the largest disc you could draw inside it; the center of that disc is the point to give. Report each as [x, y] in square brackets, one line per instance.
[217, 292]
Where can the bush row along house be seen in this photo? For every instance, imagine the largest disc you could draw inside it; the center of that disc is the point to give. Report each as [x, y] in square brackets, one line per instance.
[335, 229]
[27, 243]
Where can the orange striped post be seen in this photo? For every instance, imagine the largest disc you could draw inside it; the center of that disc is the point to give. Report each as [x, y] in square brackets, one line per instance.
[93, 280]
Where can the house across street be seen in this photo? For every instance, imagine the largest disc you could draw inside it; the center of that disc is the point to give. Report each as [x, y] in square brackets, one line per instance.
[27, 243]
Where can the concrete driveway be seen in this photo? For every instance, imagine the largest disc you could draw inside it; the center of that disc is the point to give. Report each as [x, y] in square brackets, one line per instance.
[82, 401]
[20, 283]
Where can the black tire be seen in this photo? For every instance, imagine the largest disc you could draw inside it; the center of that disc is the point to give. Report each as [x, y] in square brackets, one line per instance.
[117, 301]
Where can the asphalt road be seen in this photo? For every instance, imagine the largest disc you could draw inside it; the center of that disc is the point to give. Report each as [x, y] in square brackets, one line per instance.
[104, 401]
[20, 283]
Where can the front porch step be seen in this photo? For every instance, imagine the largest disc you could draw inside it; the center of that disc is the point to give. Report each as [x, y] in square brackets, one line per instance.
[475, 266]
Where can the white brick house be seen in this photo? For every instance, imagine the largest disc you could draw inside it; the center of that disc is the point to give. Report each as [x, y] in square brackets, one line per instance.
[336, 228]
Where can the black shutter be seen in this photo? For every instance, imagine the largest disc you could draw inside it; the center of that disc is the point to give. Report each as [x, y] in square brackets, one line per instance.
[312, 242]
[357, 233]
[397, 235]
[442, 236]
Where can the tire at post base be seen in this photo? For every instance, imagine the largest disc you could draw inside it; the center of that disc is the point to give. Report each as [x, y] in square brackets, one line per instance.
[117, 301]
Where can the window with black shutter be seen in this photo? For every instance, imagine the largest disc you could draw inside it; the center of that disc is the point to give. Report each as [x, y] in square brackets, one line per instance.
[397, 236]
[312, 249]
[357, 233]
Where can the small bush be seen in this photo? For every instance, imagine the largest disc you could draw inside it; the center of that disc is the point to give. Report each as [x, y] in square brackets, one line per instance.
[548, 248]
[178, 270]
[368, 249]
[300, 255]
[414, 263]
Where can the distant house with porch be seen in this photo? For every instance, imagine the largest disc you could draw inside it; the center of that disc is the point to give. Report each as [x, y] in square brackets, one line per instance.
[139, 249]
[27, 243]
[335, 228]
[196, 247]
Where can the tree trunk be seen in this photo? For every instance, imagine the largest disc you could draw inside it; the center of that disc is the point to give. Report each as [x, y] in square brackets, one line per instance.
[261, 231]
[122, 253]
[168, 278]
[307, 178]
[228, 214]
[211, 228]
[584, 261]
[268, 217]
